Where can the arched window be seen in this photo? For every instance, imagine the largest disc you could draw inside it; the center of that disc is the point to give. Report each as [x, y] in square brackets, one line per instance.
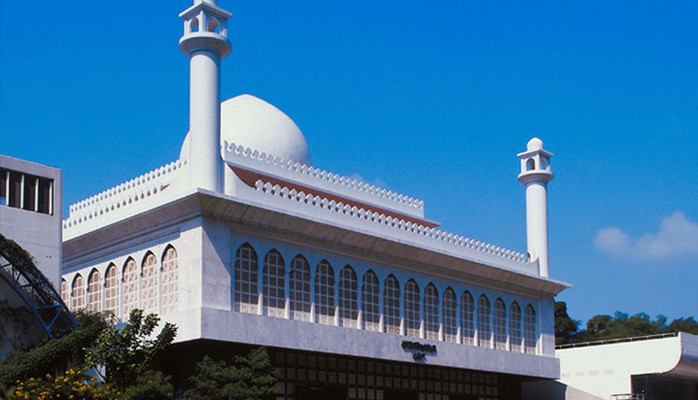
[129, 279]
[111, 291]
[299, 286]
[370, 302]
[213, 25]
[484, 329]
[94, 292]
[431, 312]
[194, 25]
[500, 325]
[64, 292]
[449, 316]
[78, 293]
[169, 287]
[246, 291]
[274, 285]
[413, 318]
[467, 318]
[149, 282]
[348, 297]
[391, 305]
[515, 327]
[530, 330]
[324, 293]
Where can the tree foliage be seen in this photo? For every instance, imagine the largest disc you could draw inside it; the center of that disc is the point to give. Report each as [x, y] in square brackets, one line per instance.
[565, 327]
[53, 356]
[619, 326]
[249, 377]
[127, 352]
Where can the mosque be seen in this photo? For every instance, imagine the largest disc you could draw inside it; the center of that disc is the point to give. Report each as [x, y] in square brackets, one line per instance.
[242, 242]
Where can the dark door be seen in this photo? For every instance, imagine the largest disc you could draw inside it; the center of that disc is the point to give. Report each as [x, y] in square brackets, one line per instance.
[463, 397]
[304, 392]
[401, 395]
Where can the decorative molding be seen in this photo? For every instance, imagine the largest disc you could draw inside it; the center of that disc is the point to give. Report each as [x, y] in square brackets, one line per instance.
[323, 180]
[123, 195]
[321, 204]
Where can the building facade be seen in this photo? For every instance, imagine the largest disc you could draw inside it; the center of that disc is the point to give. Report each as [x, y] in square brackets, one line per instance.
[242, 242]
[30, 211]
[30, 254]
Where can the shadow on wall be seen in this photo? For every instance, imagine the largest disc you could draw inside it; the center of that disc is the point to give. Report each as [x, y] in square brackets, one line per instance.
[553, 390]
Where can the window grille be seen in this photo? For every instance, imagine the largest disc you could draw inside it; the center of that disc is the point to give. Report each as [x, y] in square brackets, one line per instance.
[273, 279]
[467, 318]
[391, 305]
[170, 281]
[246, 288]
[370, 302]
[515, 327]
[130, 288]
[78, 293]
[500, 327]
[64, 292]
[149, 282]
[530, 330]
[324, 293]
[348, 297]
[449, 316]
[431, 312]
[299, 286]
[111, 291]
[484, 329]
[94, 292]
[412, 312]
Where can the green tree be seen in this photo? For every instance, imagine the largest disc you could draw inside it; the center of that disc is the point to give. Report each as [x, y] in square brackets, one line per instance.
[597, 326]
[55, 355]
[565, 327]
[688, 325]
[127, 352]
[249, 377]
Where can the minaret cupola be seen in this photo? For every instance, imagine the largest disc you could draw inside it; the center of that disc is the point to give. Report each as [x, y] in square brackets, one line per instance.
[535, 174]
[205, 28]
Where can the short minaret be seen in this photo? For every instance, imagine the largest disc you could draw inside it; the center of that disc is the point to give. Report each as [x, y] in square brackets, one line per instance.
[535, 174]
[205, 42]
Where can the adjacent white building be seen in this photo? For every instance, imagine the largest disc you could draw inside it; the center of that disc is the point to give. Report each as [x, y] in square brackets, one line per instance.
[241, 241]
[650, 368]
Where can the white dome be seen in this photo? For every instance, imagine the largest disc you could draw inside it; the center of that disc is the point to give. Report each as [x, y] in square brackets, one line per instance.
[252, 122]
[534, 144]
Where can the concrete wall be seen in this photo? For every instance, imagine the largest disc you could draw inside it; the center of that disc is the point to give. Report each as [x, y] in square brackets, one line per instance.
[39, 234]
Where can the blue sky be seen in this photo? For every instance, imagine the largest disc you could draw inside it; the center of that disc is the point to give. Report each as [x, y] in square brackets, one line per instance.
[430, 99]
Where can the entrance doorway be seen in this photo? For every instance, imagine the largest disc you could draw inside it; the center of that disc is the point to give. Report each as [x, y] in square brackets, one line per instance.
[320, 393]
[401, 395]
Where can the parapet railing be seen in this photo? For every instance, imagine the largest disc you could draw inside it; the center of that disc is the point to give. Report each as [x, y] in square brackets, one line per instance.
[324, 180]
[332, 206]
[619, 340]
[122, 195]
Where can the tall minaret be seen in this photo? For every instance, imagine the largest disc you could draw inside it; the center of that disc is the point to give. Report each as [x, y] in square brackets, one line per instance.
[535, 174]
[205, 42]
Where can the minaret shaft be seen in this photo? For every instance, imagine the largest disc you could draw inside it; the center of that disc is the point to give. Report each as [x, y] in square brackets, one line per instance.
[537, 223]
[205, 120]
